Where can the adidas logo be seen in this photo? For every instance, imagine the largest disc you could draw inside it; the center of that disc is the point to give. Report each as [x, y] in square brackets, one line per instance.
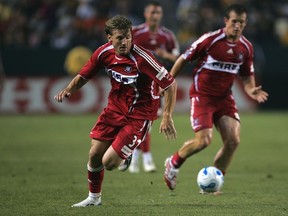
[230, 51]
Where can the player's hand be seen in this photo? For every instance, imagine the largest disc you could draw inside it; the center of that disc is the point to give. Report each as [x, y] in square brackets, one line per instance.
[167, 126]
[259, 95]
[61, 95]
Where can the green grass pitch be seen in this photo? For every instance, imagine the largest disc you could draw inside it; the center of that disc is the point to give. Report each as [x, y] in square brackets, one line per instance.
[43, 170]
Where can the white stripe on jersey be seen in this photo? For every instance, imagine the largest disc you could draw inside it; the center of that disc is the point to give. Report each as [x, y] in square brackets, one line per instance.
[161, 74]
[161, 70]
[192, 111]
[194, 122]
[148, 58]
[245, 42]
[217, 38]
[152, 91]
[136, 97]
[148, 123]
[104, 50]
[196, 79]
[199, 40]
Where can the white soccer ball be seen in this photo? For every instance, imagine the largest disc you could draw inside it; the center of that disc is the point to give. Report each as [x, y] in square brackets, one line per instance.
[210, 179]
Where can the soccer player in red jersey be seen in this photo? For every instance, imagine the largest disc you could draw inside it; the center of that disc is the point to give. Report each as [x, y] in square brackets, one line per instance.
[2, 76]
[221, 56]
[162, 42]
[132, 102]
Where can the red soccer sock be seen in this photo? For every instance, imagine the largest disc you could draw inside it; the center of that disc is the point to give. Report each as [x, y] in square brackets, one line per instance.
[95, 178]
[177, 161]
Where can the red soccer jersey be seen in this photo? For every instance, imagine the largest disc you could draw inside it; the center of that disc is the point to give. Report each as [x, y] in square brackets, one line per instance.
[163, 38]
[219, 62]
[134, 80]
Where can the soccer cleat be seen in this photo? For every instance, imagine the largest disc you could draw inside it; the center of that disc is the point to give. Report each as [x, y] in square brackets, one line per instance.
[170, 174]
[89, 202]
[125, 164]
[149, 166]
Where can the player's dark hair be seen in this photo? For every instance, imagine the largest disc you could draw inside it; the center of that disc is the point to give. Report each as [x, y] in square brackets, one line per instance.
[154, 3]
[239, 9]
[117, 22]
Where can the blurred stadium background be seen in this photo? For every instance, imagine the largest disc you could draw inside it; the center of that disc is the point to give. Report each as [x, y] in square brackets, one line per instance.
[44, 42]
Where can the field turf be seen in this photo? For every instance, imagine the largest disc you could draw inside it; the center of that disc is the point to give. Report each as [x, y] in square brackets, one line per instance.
[43, 170]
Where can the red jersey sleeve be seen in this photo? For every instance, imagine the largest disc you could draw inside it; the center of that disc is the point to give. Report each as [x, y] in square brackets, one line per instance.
[148, 65]
[198, 47]
[172, 43]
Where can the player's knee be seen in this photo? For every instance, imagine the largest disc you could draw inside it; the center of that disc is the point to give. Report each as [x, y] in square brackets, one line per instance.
[109, 165]
[235, 143]
[111, 162]
[206, 140]
[94, 154]
[203, 142]
[232, 144]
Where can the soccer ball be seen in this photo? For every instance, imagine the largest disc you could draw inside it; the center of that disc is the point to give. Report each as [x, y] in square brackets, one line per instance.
[210, 179]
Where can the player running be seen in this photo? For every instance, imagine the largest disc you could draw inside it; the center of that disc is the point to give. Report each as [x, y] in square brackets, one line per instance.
[222, 55]
[132, 103]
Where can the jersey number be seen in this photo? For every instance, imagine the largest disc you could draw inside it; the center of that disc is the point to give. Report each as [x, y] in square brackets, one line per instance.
[127, 149]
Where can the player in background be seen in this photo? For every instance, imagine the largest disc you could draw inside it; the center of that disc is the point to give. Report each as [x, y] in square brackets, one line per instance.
[221, 56]
[162, 42]
[135, 77]
[2, 76]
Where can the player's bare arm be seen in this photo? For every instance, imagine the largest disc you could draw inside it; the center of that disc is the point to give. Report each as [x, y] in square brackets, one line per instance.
[255, 92]
[167, 124]
[166, 55]
[73, 86]
[177, 67]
